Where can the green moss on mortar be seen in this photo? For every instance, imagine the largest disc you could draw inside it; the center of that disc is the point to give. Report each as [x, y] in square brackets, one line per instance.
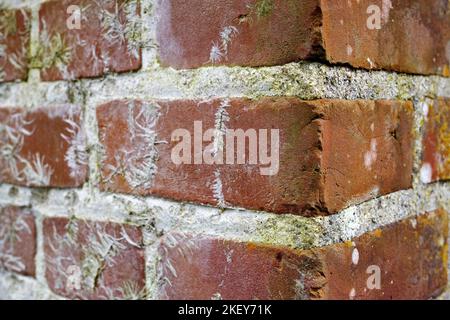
[291, 231]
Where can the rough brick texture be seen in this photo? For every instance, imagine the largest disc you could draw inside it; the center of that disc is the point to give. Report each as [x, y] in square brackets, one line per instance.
[325, 149]
[94, 260]
[250, 33]
[42, 148]
[17, 240]
[106, 39]
[14, 41]
[224, 149]
[367, 34]
[436, 153]
[392, 43]
[410, 256]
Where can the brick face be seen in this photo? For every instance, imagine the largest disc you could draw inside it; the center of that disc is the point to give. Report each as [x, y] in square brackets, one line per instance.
[249, 33]
[94, 260]
[162, 149]
[17, 240]
[410, 257]
[325, 148]
[14, 42]
[366, 34]
[42, 148]
[393, 46]
[436, 142]
[105, 42]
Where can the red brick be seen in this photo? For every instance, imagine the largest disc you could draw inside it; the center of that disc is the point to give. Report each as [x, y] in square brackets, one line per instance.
[43, 148]
[413, 37]
[411, 256]
[271, 32]
[14, 42]
[17, 240]
[94, 260]
[105, 42]
[436, 142]
[333, 153]
[262, 32]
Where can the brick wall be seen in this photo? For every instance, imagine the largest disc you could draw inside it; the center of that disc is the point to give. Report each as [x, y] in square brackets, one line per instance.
[242, 149]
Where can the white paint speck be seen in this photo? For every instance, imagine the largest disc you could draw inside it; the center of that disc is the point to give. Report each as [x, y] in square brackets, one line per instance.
[352, 294]
[355, 256]
[426, 173]
[371, 156]
[349, 50]
[414, 223]
[426, 109]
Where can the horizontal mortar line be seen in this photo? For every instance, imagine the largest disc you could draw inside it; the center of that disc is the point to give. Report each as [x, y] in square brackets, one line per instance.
[246, 225]
[304, 80]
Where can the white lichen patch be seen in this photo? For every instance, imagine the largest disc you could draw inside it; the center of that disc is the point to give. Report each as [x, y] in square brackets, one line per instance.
[220, 128]
[12, 135]
[219, 49]
[136, 161]
[123, 30]
[76, 156]
[12, 56]
[78, 268]
[12, 228]
[30, 169]
[35, 171]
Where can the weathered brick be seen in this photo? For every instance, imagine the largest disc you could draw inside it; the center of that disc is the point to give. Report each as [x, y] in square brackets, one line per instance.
[332, 153]
[17, 240]
[414, 36]
[405, 260]
[436, 142]
[107, 38]
[250, 33]
[14, 42]
[44, 147]
[269, 32]
[94, 260]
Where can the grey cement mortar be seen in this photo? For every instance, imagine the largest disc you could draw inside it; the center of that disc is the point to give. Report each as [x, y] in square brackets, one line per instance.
[305, 80]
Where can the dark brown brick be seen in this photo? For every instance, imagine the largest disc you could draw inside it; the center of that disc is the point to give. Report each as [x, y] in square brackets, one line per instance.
[43, 148]
[332, 153]
[436, 154]
[107, 40]
[94, 260]
[14, 42]
[410, 258]
[17, 240]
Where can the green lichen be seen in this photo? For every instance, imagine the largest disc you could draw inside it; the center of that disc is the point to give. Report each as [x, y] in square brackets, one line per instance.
[294, 232]
[262, 8]
[8, 22]
[51, 52]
